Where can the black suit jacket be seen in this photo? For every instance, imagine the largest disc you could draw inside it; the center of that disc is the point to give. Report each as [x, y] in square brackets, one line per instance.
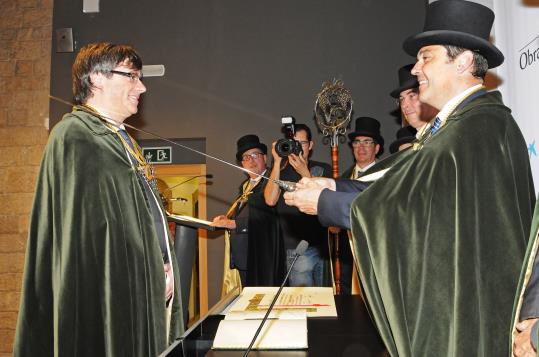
[239, 237]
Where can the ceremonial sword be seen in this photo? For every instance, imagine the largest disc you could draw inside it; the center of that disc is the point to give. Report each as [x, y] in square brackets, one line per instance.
[284, 185]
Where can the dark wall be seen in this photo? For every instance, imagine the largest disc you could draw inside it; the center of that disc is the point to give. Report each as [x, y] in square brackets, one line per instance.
[234, 67]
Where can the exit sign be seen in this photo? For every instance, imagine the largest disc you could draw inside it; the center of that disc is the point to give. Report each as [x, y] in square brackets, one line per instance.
[158, 155]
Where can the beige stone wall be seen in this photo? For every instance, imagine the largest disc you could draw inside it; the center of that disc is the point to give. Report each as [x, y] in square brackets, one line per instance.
[25, 45]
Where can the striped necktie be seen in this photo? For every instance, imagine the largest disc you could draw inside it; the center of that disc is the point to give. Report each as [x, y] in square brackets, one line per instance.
[127, 139]
[155, 210]
[435, 126]
[124, 135]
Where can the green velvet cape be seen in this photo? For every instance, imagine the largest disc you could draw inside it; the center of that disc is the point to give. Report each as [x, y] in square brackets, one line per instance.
[440, 239]
[93, 281]
[529, 259]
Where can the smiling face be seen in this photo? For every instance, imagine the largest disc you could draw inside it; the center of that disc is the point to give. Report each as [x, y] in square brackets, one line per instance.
[365, 150]
[411, 107]
[115, 95]
[254, 160]
[415, 112]
[436, 76]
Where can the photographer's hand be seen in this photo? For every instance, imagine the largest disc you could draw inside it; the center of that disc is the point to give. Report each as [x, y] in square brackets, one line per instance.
[276, 158]
[272, 190]
[299, 164]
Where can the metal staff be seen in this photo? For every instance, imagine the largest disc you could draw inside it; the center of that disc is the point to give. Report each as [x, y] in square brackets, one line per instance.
[284, 185]
[333, 110]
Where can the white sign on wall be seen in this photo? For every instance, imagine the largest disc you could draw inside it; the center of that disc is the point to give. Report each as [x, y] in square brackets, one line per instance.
[516, 29]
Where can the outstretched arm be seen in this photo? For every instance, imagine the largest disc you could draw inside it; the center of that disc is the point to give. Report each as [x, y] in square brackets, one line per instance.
[272, 190]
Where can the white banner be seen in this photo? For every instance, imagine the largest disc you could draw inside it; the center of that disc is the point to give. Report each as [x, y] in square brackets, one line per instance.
[516, 34]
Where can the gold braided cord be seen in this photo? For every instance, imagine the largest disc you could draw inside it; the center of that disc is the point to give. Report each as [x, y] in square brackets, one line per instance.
[247, 190]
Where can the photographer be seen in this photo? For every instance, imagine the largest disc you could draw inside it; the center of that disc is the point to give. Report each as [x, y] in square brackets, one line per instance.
[311, 269]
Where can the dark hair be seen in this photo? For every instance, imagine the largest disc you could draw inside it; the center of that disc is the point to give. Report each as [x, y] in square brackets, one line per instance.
[98, 58]
[298, 127]
[479, 61]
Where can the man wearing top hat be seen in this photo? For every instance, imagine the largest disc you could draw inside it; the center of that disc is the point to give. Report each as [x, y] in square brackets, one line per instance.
[256, 248]
[440, 253]
[405, 136]
[414, 112]
[367, 144]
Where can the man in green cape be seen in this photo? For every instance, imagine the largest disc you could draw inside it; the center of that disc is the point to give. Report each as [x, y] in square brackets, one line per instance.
[99, 277]
[524, 327]
[439, 256]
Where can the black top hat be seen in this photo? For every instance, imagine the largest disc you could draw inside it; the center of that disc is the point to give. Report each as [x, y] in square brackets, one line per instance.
[366, 126]
[249, 142]
[404, 135]
[459, 23]
[406, 80]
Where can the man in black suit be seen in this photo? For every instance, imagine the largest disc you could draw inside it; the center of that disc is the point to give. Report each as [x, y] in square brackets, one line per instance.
[256, 248]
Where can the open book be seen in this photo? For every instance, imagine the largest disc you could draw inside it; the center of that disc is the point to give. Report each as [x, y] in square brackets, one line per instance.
[286, 327]
[316, 301]
[190, 221]
[281, 331]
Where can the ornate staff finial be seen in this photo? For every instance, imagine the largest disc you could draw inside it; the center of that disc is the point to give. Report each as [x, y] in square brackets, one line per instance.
[333, 109]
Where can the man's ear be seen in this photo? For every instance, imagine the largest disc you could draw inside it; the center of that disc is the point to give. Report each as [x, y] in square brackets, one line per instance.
[464, 62]
[377, 149]
[96, 79]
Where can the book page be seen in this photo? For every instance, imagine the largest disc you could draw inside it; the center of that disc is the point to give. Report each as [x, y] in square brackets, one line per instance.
[317, 302]
[190, 219]
[275, 334]
[274, 314]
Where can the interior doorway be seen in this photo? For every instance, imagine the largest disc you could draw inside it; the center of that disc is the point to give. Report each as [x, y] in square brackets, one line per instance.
[183, 191]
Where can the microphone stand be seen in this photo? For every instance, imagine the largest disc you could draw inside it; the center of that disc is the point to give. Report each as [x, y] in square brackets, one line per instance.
[296, 256]
[208, 176]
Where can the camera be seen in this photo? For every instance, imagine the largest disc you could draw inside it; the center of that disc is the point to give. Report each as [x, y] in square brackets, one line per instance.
[288, 145]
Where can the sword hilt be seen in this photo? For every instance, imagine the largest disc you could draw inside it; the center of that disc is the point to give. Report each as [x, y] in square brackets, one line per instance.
[286, 185]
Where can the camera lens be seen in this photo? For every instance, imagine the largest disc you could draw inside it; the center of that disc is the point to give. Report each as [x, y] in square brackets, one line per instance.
[285, 147]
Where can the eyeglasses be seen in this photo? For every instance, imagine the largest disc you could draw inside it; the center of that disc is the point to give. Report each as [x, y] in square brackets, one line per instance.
[362, 142]
[131, 75]
[252, 156]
